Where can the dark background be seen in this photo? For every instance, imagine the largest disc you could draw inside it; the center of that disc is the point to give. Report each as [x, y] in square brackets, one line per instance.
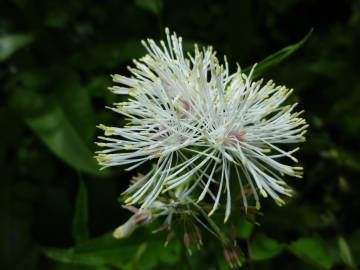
[55, 61]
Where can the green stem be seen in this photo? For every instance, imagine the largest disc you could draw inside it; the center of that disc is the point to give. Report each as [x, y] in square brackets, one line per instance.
[224, 239]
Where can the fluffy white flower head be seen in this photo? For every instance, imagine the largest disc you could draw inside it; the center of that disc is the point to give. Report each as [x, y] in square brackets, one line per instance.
[209, 132]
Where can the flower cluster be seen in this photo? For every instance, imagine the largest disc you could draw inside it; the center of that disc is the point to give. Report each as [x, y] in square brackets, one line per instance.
[213, 136]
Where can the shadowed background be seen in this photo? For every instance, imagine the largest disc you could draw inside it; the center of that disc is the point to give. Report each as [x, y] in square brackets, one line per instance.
[55, 62]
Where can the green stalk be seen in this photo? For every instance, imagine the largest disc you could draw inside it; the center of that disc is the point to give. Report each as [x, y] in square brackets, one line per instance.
[223, 238]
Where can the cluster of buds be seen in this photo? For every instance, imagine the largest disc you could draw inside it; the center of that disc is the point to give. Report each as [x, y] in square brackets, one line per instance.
[192, 238]
[233, 256]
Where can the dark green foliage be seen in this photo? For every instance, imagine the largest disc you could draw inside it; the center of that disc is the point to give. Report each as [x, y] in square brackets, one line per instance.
[311, 250]
[57, 208]
[81, 216]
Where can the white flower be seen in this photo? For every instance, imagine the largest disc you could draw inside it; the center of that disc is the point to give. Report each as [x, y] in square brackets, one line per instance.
[209, 131]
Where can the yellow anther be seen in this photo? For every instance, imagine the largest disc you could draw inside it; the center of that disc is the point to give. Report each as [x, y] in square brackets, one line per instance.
[108, 130]
[132, 92]
[288, 192]
[281, 182]
[279, 201]
[263, 193]
[269, 109]
[101, 144]
[129, 147]
[101, 158]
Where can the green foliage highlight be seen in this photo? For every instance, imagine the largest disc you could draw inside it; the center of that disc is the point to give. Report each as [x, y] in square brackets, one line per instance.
[131, 253]
[312, 251]
[277, 57]
[80, 221]
[10, 43]
[345, 254]
[154, 6]
[56, 131]
[244, 228]
[264, 247]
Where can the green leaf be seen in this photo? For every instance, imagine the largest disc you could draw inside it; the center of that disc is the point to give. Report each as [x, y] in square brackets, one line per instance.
[263, 248]
[277, 57]
[311, 251]
[353, 241]
[83, 267]
[128, 50]
[244, 228]
[55, 130]
[148, 255]
[345, 254]
[99, 251]
[108, 55]
[154, 6]
[76, 103]
[80, 222]
[11, 43]
[125, 253]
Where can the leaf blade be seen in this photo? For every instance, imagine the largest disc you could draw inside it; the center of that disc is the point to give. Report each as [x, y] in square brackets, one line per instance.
[55, 130]
[311, 251]
[277, 57]
[125, 253]
[345, 253]
[264, 248]
[80, 222]
[154, 6]
[10, 43]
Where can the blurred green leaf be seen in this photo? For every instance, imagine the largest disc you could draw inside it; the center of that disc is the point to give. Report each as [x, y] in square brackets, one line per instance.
[152, 253]
[263, 247]
[222, 263]
[99, 251]
[244, 228]
[11, 43]
[55, 130]
[130, 253]
[57, 18]
[277, 57]
[154, 6]
[76, 103]
[107, 55]
[128, 50]
[345, 254]
[69, 266]
[311, 251]
[80, 222]
[353, 241]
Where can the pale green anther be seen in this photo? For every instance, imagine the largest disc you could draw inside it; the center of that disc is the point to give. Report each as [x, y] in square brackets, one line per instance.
[100, 144]
[108, 130]
[279, 202]
[132, 92]
[281, 182]
[263, 193]
[129, 147]
[101, 158]
[288, 192]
